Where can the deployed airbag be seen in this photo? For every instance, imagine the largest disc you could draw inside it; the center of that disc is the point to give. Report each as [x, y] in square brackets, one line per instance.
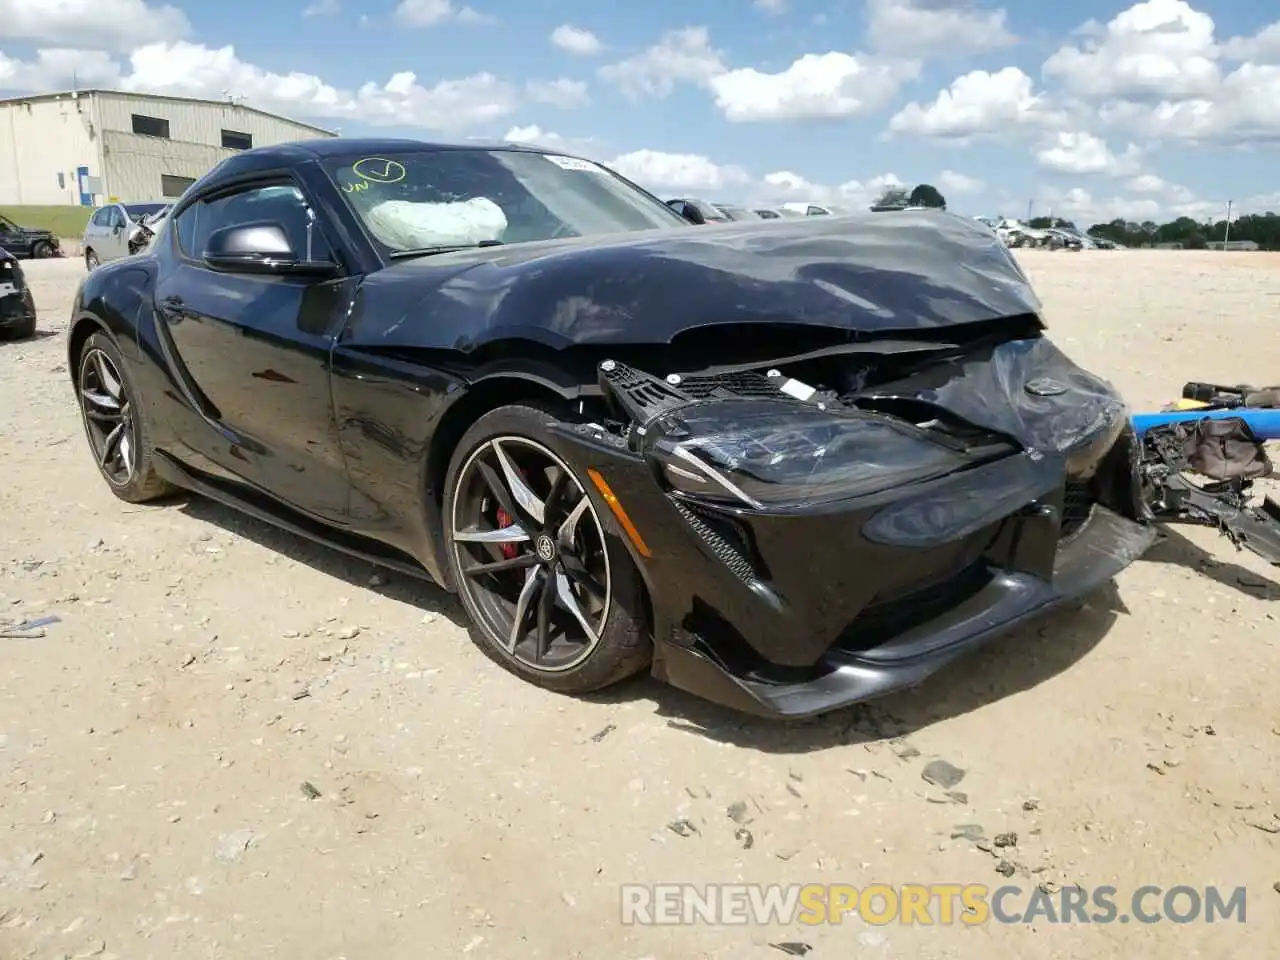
[404, 225]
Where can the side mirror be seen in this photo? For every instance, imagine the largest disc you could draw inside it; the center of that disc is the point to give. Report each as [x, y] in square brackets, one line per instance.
[260, 248]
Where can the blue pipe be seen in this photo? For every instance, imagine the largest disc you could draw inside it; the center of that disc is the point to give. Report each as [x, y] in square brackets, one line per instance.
[1265, 424]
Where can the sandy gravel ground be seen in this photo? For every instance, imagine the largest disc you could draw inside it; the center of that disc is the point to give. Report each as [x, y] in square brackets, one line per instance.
[154, 743]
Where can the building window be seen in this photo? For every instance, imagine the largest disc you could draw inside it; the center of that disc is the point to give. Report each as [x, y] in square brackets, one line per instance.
[150, 126]
[171, 187]
[233, 140]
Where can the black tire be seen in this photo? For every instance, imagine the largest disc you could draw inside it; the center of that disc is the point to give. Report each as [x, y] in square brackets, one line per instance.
[624, 647]
[42, 250]
[142, 484]
[91, 262]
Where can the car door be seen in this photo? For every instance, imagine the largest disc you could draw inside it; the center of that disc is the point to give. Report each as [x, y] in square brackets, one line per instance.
[96, 231]
[257, 349]
[115, 239]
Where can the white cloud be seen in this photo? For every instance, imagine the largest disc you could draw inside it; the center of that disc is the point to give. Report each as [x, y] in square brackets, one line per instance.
[1080, 152]
[562, 93]
[817, 85]
[429, 13]
[951, 182]
[54, 70]
[575, 40]
[976, 104]
[1147, 183]
[771, 6]
[534, 135]
[1262, 47]
[935, 28]
[681, 56]
[193, 70]
[826, 85]
[1156, 50]
[1085, 209]
[666, 172]
[113, 25]
[784, 186]
[1155, 71]
[322, 8]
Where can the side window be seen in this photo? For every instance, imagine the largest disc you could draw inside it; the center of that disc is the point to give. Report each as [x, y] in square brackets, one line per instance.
[281, 204]
[816, 212]
[117, 218]
[100, 217]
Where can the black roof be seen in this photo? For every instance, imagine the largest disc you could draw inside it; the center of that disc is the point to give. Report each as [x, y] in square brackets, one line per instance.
[301, 151]
[325, 148]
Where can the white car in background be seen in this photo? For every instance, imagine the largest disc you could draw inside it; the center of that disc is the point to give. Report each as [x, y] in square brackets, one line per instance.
[120, 230]
[804, 209]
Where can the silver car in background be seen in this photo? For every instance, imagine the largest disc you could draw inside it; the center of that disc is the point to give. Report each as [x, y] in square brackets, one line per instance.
[120, 230]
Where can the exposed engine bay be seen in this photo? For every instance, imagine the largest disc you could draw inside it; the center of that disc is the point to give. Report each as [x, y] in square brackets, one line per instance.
[887, 410]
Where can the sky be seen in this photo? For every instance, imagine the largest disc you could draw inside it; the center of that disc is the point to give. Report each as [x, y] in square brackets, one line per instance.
[1088, 110]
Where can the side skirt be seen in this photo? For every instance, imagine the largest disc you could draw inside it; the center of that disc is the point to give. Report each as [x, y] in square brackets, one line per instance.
[261, 507]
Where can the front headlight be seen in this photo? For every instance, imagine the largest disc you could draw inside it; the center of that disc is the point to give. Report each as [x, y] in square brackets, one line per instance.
[766, 453]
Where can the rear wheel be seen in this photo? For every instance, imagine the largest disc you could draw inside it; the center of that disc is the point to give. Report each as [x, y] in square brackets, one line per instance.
[551, 596]
[115, 424]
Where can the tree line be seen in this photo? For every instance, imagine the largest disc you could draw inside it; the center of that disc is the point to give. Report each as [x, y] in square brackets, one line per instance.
[1262, 228]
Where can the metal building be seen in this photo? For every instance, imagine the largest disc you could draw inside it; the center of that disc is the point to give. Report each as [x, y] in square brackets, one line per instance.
[91, 147]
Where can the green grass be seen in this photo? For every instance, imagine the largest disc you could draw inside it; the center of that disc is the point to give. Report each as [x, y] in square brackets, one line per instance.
[64, 221]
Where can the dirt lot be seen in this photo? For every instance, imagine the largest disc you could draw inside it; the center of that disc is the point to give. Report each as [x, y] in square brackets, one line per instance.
[154, 743]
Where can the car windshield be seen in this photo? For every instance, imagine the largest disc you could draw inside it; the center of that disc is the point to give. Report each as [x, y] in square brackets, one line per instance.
[738, 213]
[137, 211]
[429, 200]
[709, 211]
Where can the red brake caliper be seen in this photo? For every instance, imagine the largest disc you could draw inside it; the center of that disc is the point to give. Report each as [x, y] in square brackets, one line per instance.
[505, 519]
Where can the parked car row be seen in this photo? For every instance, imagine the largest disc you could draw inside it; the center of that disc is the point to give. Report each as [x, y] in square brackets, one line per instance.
[1015, 233]
[704, 211]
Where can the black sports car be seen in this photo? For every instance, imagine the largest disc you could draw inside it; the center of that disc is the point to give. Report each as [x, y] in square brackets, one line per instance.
[786, 466]
[17, 306]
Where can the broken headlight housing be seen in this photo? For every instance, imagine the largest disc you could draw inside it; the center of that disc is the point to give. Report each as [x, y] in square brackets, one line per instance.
[766, 453]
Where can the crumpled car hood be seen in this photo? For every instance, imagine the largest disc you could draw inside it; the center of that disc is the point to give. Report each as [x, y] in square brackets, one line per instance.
[1027, 389]
[872, 274]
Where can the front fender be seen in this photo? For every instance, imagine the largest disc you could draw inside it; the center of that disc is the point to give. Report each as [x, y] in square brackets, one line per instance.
[111, 299]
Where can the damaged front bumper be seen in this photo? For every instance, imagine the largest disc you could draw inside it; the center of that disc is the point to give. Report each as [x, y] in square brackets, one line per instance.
[17, 306]
[803, 605]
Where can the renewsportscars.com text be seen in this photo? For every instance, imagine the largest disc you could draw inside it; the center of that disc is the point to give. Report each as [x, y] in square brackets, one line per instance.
[925, 904]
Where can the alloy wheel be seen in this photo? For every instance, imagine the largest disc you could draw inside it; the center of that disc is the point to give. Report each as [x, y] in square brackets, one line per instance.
[91, 260]
[531, 554]
[108, 417]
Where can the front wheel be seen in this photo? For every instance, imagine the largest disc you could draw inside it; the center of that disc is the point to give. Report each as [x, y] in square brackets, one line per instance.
[42, 250]
[552, 596]
[90, 261]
